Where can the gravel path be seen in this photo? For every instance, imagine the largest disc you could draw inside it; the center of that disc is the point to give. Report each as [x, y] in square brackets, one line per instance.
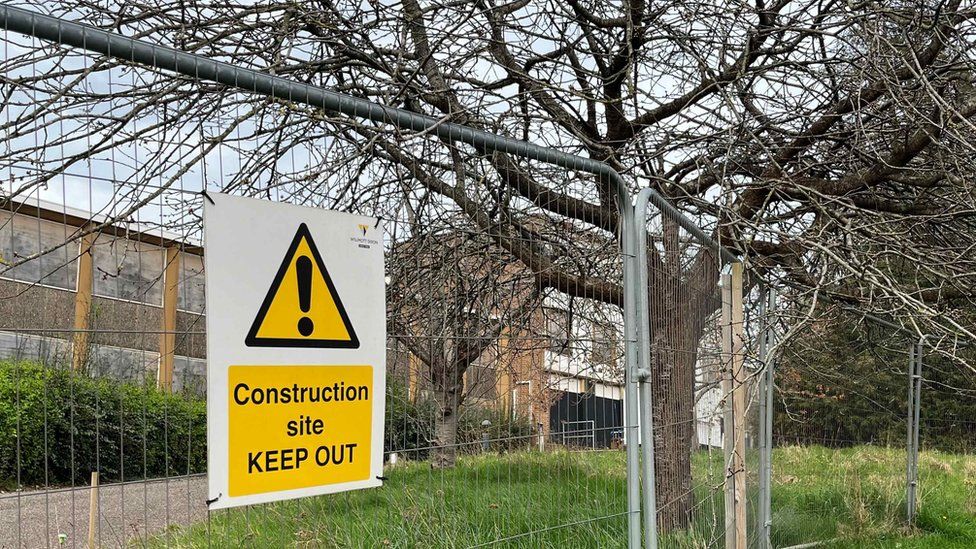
[128, 513]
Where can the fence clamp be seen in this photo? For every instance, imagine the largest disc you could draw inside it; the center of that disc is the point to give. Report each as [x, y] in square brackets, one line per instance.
[203, 193]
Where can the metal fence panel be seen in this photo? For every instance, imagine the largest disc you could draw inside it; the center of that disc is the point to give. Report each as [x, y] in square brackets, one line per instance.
[495, 376]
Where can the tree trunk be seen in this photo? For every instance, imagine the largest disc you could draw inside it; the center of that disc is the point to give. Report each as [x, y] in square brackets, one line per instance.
[673, 371]
[447, 396]
[678, 308]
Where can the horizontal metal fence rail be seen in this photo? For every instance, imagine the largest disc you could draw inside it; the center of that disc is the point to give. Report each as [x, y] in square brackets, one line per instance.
[195, 66]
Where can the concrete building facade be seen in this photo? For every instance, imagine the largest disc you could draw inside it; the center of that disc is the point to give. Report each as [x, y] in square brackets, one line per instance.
[126, 300]
[109, 299]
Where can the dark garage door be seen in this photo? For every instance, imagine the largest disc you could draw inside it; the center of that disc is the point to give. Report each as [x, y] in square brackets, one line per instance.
[584, 419]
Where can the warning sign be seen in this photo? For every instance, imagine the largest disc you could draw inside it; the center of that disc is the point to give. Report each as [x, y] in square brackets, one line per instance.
[296, 345]
[314, 426]
[289, 316]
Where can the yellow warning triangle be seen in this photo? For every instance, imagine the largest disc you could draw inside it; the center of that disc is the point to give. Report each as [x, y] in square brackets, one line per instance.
[302, 308]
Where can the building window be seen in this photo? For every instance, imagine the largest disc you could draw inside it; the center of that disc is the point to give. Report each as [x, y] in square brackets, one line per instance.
[191, 294]
[130, 365]
[49, 351]
[605, 349]
[127, 269]
[190, 375]
[559, 330]
[22, 236]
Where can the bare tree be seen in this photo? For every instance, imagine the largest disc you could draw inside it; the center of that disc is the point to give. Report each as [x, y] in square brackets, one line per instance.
[452, 294]
[830, 143]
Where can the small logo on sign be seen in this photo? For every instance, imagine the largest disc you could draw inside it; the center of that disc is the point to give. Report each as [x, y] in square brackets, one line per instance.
[363, 241]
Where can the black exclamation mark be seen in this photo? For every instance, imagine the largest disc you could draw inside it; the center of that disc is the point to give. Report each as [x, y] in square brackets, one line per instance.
[303, 268]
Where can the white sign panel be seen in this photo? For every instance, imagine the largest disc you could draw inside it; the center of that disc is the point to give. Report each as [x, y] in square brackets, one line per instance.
[296, 351]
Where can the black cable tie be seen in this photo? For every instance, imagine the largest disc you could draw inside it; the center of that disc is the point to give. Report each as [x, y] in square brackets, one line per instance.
[207, 196]
[382, 478]
[210, 501]
[378, 219]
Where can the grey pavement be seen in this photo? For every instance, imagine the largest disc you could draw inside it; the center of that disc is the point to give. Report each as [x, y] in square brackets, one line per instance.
[128, 513]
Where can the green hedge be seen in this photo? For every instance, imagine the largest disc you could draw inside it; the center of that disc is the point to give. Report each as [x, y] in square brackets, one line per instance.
[70, 425]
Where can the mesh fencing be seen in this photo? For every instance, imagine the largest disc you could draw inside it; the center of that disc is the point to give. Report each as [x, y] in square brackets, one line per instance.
[843, 432]
[858, 419]
[702, 363]
[505, 416]
[504, 423]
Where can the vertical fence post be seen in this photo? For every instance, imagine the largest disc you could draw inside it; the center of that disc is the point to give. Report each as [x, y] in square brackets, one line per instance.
[648, 494]
[739, 404]
[632, 345]
[766, 341]
[83, 303]
[918, 408]
[727, 443]
[914, 411]
[910, 429]
[167, 339]
[763, 387]
[93, 500]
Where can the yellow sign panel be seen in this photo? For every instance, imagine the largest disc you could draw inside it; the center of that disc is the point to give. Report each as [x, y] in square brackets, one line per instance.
[302, 307]
[298, 426]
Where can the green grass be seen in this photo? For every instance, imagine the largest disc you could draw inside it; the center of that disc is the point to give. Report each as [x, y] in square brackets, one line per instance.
[852, 496]
[483, 498]
[856, 496]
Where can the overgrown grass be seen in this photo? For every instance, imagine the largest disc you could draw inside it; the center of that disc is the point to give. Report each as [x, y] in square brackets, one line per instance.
[483, 499]
[854, 497]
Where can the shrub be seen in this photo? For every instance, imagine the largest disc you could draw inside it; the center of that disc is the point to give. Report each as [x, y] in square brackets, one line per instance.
[68, 425]
[410, 426]
[64, 425]
[845, 384]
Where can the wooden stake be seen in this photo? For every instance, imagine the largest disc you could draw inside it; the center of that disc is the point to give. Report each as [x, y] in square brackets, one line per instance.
[167, 339]
[728, 442]
[83, 303]
[734, 391]
[93, 511]
[738, 406]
